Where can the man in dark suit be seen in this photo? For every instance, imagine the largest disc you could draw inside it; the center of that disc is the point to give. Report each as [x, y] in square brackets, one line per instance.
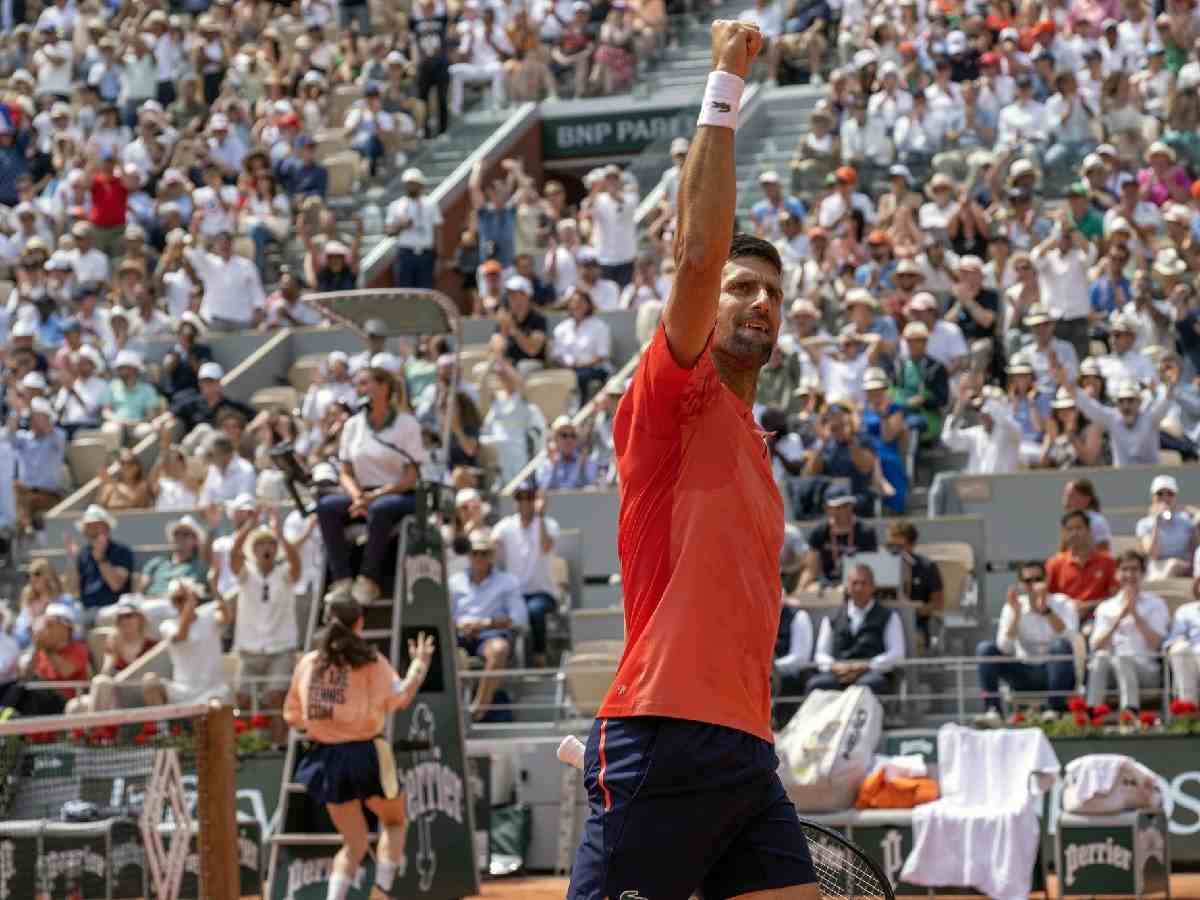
[862, 643]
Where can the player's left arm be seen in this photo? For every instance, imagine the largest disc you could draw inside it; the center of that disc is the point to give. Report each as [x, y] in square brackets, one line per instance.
[707, 197]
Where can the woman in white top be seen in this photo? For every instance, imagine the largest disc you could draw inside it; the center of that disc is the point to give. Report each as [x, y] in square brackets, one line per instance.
[379, 452]
[583, 342]
[510, 420]
[332, 385]
[174, 487]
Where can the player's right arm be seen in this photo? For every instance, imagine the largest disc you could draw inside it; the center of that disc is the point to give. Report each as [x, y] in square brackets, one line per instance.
[707, 199]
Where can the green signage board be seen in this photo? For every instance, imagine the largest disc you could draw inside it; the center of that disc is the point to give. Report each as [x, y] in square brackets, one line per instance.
[614, 133]
[1126, 860]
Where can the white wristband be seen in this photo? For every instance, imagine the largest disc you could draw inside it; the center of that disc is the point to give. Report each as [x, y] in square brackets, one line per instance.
[722, 97]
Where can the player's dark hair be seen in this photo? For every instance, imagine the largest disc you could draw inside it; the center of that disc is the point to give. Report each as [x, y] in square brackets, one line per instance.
[747, 245]
[1075, 514]
[341, 646]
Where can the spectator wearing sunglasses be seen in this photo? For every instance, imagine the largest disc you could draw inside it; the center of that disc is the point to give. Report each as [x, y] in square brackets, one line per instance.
[1167, 534]
[568, 466]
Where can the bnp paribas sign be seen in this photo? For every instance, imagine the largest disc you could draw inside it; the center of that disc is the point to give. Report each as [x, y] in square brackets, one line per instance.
[630, 129]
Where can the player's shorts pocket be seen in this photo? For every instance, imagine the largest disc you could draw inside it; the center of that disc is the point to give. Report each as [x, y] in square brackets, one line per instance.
[617, 762]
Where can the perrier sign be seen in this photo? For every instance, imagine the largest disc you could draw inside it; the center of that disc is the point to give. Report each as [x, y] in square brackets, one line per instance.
[614, 133]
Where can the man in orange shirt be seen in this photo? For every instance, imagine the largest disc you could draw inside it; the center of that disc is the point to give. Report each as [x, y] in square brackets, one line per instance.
[1082, 572]
[680, 768]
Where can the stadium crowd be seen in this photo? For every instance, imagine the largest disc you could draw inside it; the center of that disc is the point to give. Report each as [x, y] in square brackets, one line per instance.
[990, 246]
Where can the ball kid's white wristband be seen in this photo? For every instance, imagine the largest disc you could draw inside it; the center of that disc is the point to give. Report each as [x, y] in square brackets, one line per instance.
[722, 97]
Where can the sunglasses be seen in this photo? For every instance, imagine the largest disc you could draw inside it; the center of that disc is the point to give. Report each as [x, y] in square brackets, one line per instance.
[571, 435]
[481, 552]
[1164, 493]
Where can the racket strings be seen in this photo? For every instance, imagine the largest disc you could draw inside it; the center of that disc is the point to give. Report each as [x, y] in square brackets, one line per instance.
[841, 875]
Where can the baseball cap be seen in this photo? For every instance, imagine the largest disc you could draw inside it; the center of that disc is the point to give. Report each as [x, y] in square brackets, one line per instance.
[519, 283]
[838, 496]
[1164, 483]
[916, 330]
[210, 371]
[679, 145]
[375, 328]
[769, 177]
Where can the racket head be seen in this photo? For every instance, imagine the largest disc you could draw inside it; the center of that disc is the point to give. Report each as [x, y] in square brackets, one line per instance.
[844, 872]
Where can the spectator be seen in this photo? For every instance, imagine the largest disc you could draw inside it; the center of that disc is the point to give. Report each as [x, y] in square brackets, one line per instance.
[883, 425]
[512, 423]
[992, 445]
[40, 452]
[131, 402]
[43, 588]
[104, 567]
[1080, 570]
[1128, 631]
[430, 26]
[339, 268]
[1163, 179]
[862, 643]
[604, 294]
[1047, 353]
[922, 386]
[266, 635]
[181, 364]
[127, 645]
[380, 450]
[487, 608]
[767, 212]
[188, 558]
[1182, 646]
[610, 208]
[1132, 428]
[837, 452]
[233, 294]
[194, 646]
[58, 656]
[945, 343]
[229, 475]
[836, 539]
[130, 489]
[172, 483]
[1081, 494]
[1062, 261]
[525, 541]
[212, 402]
[583, 342]
[1167, 534]
[921, 579]
[567, 466]
[1034, 623]
[483, 47]
[367, 124]
[523, 328]
[300, 174]
[975, 309]
[414, 220]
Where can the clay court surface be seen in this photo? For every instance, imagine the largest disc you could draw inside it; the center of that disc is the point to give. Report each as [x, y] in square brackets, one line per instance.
[1183, 887]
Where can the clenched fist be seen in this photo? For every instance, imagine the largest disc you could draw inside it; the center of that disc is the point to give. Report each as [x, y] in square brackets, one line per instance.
[735, 44]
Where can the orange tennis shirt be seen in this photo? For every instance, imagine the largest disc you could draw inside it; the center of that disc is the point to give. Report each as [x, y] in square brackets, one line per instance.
[700, 530]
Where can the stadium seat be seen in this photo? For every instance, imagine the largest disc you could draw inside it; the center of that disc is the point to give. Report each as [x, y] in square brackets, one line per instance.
[110, 438]
[340, 100]
[343, 171]
[284, 398]
[468, 358]
[231, 665]
[1122, 542]
[1170, 458]
[587, 677]
[1175, 591]
[330, 142]
[551, 391]
[86, 458]
[304, 371]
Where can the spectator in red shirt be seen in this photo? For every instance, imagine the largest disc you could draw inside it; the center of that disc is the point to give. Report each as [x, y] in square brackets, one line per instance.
[59, 656]
[1080, 571]
[110, 199]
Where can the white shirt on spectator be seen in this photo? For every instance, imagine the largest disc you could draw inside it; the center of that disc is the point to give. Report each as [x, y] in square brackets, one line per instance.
[221, 487]
[175, 496]
[423, 215]
[218, 205]
[566, 271]
[1020, 123]
[946, 343]
[232, 287]
[868, 141]
[1134, 444]
[800, 644]
[605, 294]
[893, 640]
[834, 207]
[580, 343]
[768, 20]
[890, 107]
[1127, 366]
[1078, 125]
[375, 463]
[1035, 634]
[266, 609]
[1128, 639]
[197, 669]
[615, 234]
[521, 547]
[844, 377]
[1064, 280]
[90, 266]
[178, 288]
[1174, 535]
[81, 403]
[994, 453]
[54, 65]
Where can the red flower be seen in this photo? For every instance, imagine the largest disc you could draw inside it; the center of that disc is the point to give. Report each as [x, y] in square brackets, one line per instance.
[1077, 704]
[176, 729]
[141, 738]
[77, 734]
[1097, 721]
[260, 721]
[239, 726]
[1178, 707]
[1189, 707]
[1101, 709]
[1126, 715]
[1147, 719]
[1018, 718]
[1081, 718]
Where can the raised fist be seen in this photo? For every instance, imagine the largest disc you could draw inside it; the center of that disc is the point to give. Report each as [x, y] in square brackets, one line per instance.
[735, 44]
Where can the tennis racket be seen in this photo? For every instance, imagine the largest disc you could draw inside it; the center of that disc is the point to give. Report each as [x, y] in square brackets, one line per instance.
[843, 871]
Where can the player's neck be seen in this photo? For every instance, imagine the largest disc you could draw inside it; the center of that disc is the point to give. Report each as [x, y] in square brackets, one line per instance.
[740, 378]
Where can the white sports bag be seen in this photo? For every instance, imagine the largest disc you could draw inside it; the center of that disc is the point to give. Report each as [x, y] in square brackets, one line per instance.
[1101, 784]
[825, 751]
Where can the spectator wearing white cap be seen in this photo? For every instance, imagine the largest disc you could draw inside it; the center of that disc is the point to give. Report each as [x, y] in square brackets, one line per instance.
[1125, 362]
[241, 510]
[266, 634]
[188, 558]
[922, 385]
[88, 263]
[1167, 533]
[668, 184]
[413, 220]
[194, 644]
[1047, 353]
[945, 343]
[39, 452]
[58, 656]
[233, 293]
[332, 385]
[483, 47]
[131, 402]
[604, 292]
[212, 402]
[335, 265]
[610, 207]
[1133, 426]
[104, 567]
[524, 330]
[766, 213]
[992, 446]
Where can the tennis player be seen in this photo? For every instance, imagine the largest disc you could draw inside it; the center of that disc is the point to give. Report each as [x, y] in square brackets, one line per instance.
[341, 694]
[680, 767]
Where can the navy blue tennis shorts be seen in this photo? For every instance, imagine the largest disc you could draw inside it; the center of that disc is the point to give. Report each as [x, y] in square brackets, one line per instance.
[678, 807]
[339, 773]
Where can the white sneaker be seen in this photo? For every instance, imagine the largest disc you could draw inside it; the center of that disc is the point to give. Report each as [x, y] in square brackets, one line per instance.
[339, 591]
[365, 590]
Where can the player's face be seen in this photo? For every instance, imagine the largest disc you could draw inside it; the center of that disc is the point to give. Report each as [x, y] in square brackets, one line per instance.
[749, 310]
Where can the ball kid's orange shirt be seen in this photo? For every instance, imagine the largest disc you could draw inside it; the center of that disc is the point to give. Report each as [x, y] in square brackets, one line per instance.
[700, 530]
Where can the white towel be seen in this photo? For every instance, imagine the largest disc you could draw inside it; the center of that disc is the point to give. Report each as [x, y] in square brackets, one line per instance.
[1095, 774]
[910, 766]
[983, 832]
